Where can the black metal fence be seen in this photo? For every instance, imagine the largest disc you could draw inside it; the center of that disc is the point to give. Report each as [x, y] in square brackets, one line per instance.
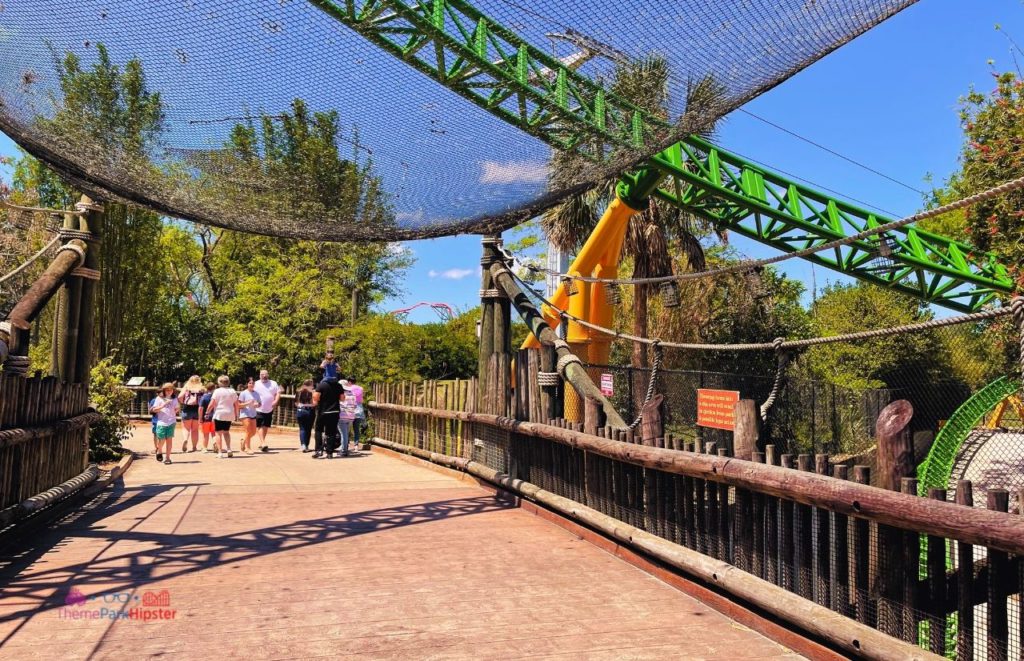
[808, 416]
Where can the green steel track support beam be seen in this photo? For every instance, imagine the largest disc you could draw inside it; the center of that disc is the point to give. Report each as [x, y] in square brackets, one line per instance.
[456, 45]
[740, 196]
[488, 64]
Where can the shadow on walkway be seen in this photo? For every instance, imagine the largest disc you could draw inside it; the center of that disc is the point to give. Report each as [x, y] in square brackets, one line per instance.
[171, 555]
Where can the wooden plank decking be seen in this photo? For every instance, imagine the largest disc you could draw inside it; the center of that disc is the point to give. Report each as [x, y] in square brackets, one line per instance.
[280, 556]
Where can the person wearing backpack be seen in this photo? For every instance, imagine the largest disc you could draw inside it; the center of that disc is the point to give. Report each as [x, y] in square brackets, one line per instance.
[206, 417]
[188, 399]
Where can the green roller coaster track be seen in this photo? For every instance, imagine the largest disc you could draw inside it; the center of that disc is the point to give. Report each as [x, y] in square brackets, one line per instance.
[937, 468]
[491, 66]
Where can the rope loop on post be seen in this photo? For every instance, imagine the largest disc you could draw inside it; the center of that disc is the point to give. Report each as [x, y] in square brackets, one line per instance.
[69, 234]
[87, 274]
[16, 364]
[564, 361]
[548, 379]
[492, 293]
[75, 249]
[89, 206]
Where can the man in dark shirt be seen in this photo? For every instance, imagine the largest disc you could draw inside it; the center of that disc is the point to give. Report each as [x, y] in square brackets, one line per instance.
[326, 399]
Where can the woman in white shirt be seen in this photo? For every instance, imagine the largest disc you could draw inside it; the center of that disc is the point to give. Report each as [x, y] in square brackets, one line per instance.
[225, 410]
[248, 405]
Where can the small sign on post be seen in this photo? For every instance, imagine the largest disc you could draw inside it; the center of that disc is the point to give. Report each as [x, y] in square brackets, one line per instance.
[715, 408]
[607, 384]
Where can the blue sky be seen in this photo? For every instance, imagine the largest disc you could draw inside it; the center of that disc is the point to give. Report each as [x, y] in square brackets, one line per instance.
[888, 99]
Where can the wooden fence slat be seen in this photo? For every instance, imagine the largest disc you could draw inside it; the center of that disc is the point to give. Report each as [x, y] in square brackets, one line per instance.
[936, 581]
[998, 581]
[965, 581]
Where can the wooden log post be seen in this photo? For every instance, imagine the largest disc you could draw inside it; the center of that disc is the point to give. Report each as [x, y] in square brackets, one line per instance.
[502, 404]
[90, 222]
[572, 371]
[651, 425]
[593, 416]
[839, 569]
[747, 431]
[895, 444]
[486, 340]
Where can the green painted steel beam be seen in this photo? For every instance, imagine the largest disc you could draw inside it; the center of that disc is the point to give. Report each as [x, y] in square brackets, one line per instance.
[472, 55]
[742, 197]
[488, 64]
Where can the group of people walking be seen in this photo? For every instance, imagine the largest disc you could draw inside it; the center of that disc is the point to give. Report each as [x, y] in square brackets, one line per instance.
[330, 412]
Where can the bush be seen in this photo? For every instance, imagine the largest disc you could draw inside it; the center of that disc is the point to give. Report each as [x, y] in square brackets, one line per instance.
[111, 399]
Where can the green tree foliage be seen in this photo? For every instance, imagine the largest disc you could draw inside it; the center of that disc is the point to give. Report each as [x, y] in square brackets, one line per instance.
[178, 299]
[993, 130]
[111, 399]
[878, 362]
[107, 110]
[382, 348]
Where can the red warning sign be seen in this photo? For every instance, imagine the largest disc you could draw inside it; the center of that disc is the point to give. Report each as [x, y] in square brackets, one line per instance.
[715, 408]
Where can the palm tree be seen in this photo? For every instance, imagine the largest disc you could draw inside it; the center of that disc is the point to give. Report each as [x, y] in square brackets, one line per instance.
[656, 230]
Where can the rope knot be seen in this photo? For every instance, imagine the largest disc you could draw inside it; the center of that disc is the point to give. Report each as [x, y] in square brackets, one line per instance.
[1017, 307]
[777, 344]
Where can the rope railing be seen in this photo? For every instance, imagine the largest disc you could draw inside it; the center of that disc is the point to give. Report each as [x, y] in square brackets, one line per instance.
[42, 251]
[931, 324]
[753, 264]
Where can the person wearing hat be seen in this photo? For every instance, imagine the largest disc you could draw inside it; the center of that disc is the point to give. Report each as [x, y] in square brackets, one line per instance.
[165, 407]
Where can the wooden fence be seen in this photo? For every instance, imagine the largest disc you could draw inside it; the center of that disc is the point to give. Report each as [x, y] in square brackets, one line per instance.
[456, 394]
[942, 575]
[44, 440]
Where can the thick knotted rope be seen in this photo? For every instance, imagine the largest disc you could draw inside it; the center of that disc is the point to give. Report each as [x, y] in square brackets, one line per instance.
[547, 379]
[655, 368]
[75, 249]
[1017, 307]
[781, 361]
[69, 234]
[16, 364]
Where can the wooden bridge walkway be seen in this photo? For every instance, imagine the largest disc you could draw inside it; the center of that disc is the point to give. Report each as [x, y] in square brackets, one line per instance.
[280, 556]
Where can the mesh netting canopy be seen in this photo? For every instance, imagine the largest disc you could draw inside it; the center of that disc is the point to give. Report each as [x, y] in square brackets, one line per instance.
[445, 115]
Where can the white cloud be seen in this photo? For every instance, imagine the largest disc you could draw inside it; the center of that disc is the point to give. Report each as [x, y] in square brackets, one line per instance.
[513, 172]
[400, 249]
[411, 217]
[450, 274]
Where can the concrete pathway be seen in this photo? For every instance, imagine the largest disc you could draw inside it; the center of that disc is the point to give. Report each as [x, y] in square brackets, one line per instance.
[281, 556]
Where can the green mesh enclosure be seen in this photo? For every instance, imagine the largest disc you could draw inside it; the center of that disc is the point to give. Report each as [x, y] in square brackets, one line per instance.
[450, 112]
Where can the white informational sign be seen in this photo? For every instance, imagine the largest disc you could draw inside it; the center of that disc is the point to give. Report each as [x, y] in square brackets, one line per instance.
[607, 384]
[136, 381]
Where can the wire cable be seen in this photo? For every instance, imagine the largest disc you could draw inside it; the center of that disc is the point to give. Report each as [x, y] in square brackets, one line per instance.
[775, 345]
[832, 151]
[1006, 187]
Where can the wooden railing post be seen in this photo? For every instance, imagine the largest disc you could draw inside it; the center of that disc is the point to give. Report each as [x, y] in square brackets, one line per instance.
[747, 428]
[91, 223]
